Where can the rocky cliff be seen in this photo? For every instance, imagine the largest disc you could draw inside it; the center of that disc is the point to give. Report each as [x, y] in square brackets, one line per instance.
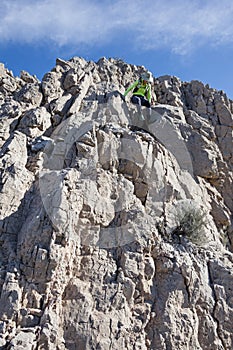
[114, 233]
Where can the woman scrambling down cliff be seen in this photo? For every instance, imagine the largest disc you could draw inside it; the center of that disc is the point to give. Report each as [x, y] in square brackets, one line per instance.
[142, 92]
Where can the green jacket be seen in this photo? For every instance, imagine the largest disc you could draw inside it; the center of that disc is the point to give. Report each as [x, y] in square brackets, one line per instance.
[142, 90]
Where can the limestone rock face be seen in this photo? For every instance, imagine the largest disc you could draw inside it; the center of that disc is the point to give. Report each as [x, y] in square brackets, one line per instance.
[115, 233]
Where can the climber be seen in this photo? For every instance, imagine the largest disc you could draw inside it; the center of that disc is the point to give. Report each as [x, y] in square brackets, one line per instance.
[142, 92]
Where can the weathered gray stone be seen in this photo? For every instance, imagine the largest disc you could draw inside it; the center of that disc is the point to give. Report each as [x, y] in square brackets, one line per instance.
[28, 78]
[51, 86]
[61, 105]
[71, 79]
[40, 143]
[92, 252]
[30, 93]
[24, 340]
[35, 122]
[223, 112]
[8, 84]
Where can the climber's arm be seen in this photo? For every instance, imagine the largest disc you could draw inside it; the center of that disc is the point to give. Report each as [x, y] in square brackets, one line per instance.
[131, 87]
[149, 94]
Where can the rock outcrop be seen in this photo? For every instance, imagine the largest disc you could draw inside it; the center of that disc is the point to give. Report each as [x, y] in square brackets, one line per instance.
[114, 233]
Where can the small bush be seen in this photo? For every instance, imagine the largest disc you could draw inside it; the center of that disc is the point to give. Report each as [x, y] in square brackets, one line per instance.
[190, 222]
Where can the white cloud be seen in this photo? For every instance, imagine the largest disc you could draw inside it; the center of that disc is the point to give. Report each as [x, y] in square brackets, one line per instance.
[178, 25]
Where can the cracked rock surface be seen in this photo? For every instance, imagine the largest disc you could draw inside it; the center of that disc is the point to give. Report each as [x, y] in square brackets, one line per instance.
[93, 250]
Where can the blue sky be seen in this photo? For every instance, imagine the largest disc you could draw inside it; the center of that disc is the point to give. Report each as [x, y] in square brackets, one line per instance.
[191, 39]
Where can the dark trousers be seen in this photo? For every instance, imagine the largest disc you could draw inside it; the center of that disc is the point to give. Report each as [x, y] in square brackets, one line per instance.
[140, 100]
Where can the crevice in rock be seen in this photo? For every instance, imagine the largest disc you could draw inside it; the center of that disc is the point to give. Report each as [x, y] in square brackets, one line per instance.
[186, 284]
[218, 323]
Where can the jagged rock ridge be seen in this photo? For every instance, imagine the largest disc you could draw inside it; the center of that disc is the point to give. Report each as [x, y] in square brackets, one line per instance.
[89, 250]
